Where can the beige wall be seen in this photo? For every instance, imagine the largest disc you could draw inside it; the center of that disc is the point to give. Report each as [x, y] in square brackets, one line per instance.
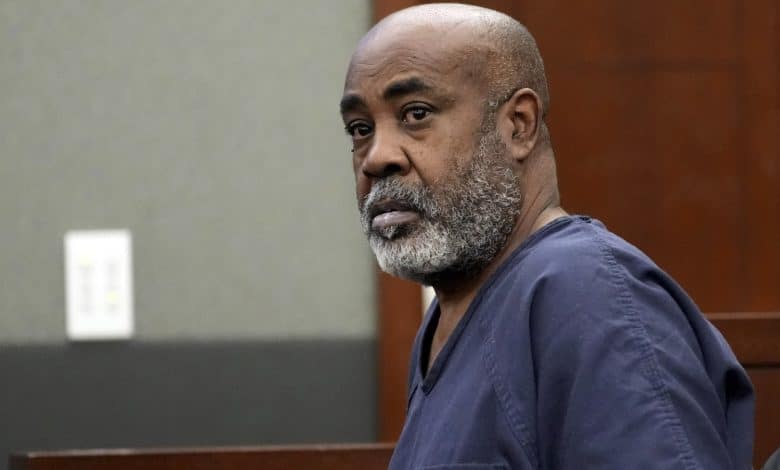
[211, 131]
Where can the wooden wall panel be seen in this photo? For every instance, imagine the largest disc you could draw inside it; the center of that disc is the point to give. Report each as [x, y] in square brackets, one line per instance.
[760, 157]
[383, 8]
[641, 33]
[754, 337]
[400, 303]
[323, 457]
[767, 384]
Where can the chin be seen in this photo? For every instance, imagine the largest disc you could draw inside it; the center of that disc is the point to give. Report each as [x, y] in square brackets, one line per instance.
[414, 260]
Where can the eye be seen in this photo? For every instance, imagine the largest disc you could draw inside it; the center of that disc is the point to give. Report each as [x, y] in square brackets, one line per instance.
[415, 113]
[358, 129]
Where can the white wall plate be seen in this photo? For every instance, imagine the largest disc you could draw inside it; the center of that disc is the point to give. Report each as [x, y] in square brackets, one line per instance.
[99, 284]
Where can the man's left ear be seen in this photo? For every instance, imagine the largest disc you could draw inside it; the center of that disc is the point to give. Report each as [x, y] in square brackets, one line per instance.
[522, 120]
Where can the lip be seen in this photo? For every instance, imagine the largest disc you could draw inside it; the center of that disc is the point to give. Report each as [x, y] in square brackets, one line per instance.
[388, 205]
[389, 219]
[387, 213]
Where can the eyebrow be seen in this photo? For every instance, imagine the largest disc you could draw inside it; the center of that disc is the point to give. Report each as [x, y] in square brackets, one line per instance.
[395, 90]
[405, 87]
[351, 102]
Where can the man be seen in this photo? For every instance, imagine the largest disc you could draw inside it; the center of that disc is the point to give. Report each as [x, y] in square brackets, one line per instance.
[553, 343]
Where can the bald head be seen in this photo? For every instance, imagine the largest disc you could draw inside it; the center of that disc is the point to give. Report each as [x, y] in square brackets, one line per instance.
[445, 105]
[493, 49]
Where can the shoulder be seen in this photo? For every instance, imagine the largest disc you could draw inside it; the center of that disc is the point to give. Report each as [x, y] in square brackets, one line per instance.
[573, 257]
[618, 345]
[576, 278]
[577, 248]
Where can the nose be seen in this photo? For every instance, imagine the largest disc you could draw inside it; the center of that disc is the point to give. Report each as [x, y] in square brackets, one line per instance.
[386, 157]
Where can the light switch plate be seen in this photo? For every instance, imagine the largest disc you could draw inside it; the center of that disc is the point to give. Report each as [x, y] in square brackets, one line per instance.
[99, 284]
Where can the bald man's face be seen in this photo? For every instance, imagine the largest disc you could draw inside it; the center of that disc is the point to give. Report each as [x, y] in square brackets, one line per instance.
[427, 178]
[408, 109]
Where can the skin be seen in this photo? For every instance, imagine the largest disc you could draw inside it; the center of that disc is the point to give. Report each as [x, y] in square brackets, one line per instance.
[414, 111]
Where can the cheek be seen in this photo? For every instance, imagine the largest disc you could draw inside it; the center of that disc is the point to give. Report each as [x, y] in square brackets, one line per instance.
[362, 187]
[439, 164]
[360, 179]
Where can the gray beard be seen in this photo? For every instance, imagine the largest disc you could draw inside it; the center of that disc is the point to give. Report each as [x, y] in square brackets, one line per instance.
[462, 227]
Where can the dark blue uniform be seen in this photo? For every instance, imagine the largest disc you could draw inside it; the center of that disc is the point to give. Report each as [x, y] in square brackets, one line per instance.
[578, 353]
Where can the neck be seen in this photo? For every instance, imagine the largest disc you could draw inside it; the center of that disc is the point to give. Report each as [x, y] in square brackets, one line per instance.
[456, 294]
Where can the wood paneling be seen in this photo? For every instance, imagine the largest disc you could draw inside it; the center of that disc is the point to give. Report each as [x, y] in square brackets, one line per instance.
[332, 457]
[400, 303]
[760, 155]
[385, 7]
[754, 337]
[767, 384]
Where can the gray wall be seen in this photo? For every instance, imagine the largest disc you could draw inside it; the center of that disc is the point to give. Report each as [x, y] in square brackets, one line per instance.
[211, 131]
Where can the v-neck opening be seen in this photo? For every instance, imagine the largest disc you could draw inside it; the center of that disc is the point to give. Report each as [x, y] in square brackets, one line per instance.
[429, 373]
[434, 370]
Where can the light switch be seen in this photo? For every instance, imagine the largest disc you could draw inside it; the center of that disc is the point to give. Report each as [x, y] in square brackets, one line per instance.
[99, 284]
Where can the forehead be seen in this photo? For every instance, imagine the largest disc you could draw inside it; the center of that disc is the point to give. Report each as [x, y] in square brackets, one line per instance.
[433, 56]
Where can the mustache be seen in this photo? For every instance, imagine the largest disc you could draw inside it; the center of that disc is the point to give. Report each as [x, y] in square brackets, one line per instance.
[416, 197]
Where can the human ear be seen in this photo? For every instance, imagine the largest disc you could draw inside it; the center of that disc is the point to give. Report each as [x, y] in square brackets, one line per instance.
[522, 115]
